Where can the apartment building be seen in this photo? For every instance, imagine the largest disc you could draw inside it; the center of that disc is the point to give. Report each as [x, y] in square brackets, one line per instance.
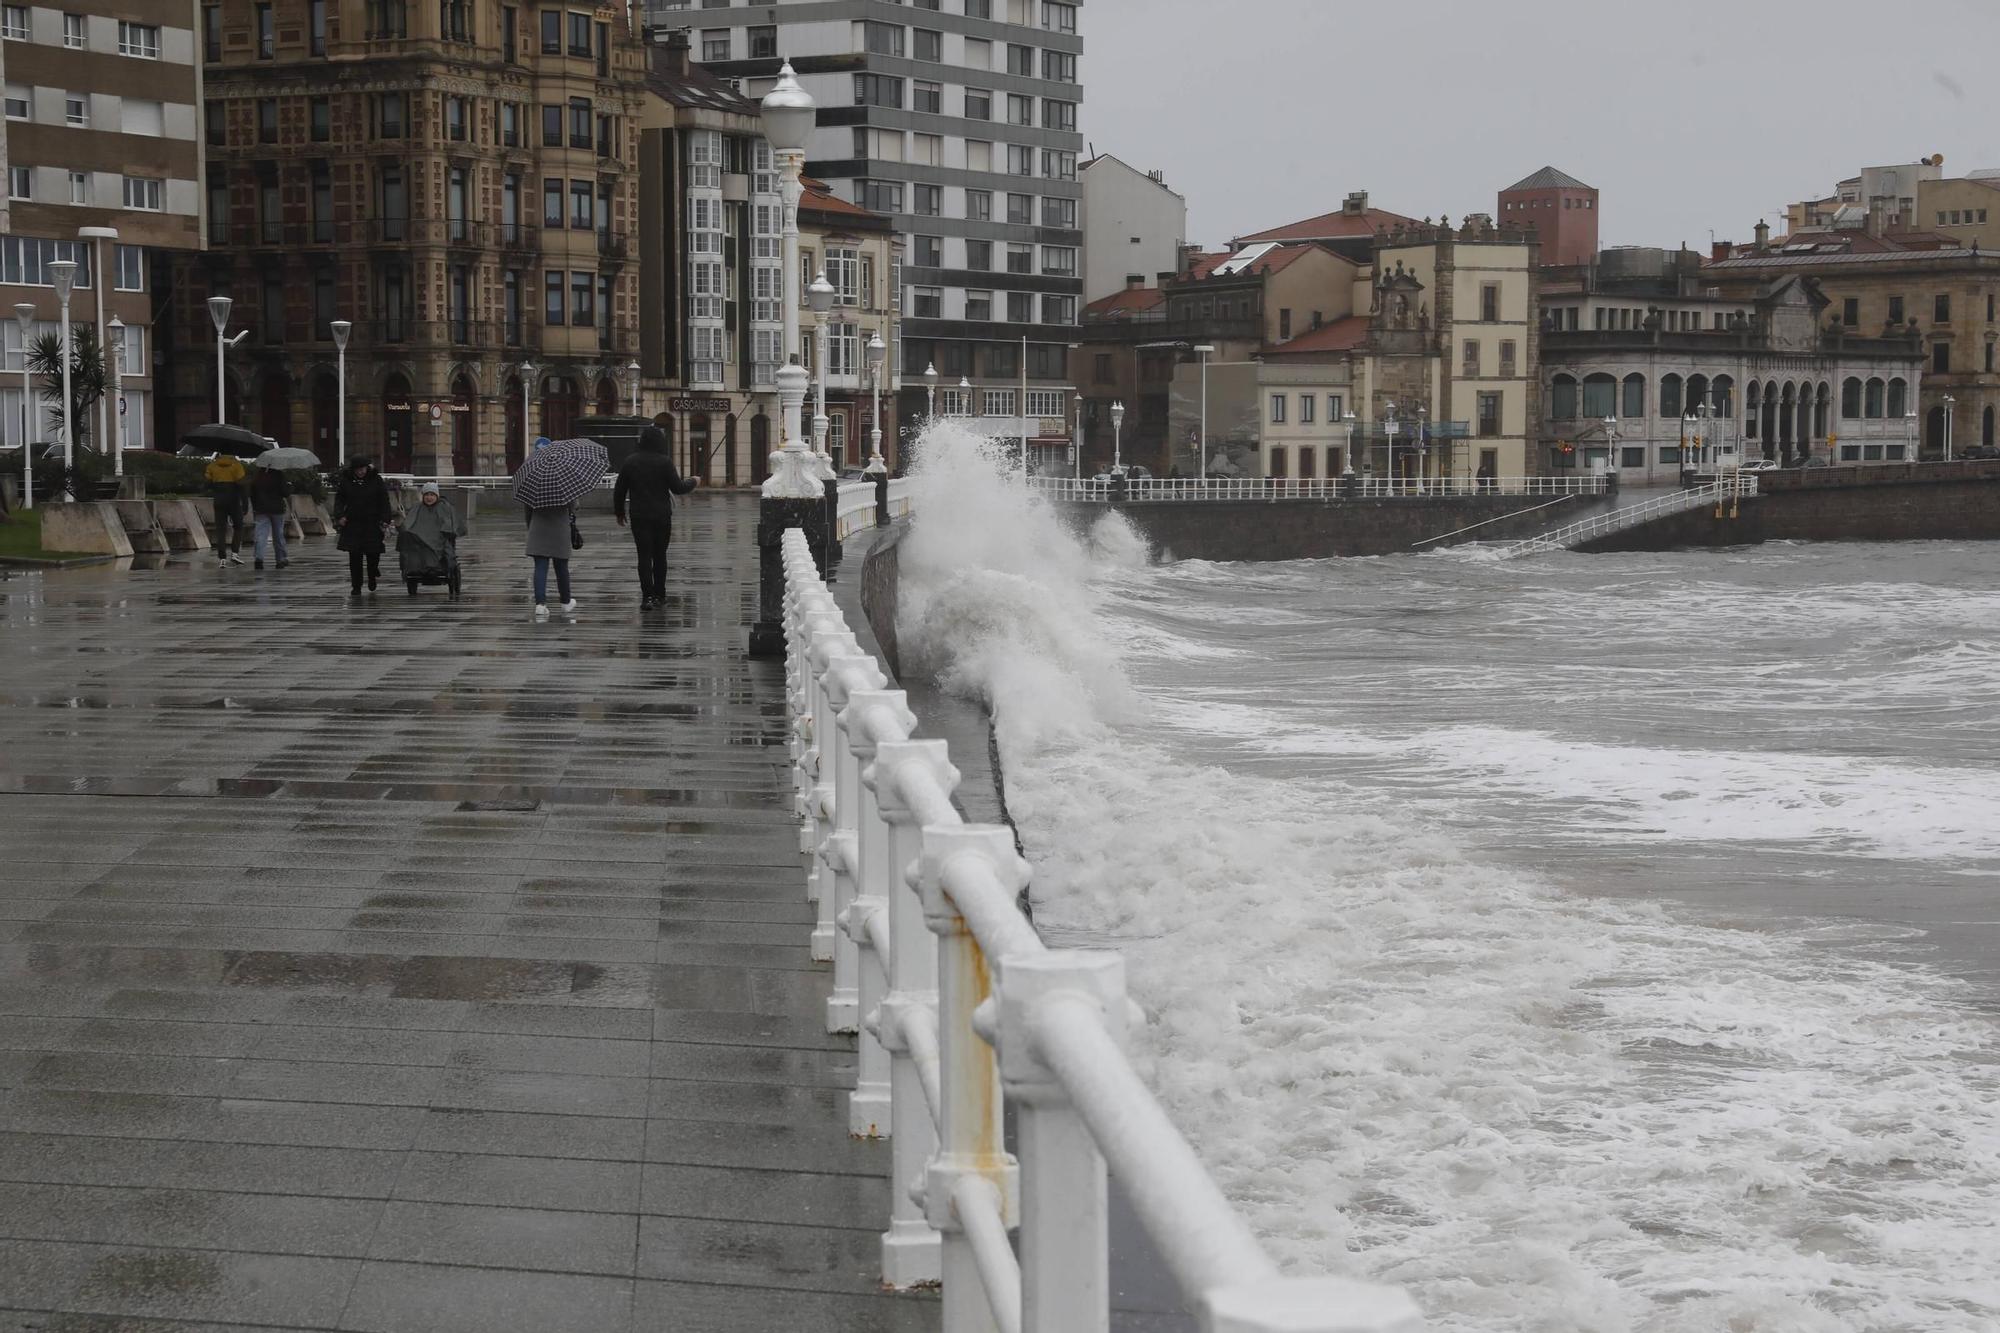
[1134, 227]
[958, 119]
[99, 137]
[379, 162]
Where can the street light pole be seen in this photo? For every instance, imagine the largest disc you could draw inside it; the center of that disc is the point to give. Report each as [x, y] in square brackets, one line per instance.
[819, 299]
[1204, 351]
[1950, 403]
[635, 369]
[1117, 431]
[24, 315]
[341, 328]
[1347, 447]
[97, 236]
[62, 273]
[930, 392]
[528, 369]
[1389, 432]
[789, 114]
[218, 311]
[878, 356]
[115, 347]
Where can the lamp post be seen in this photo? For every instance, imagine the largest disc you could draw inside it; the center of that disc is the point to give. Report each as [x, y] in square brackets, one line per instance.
[930, 392]
[1204, 351]
[62, 272]
[878, 356]
[218, 311]
[1913, 431]
[1423, 443]
[1389, 433]
[1949, 403]
[1117, 430]
[115, 348]
[1347, 447]
[634, 368]
[789, 114]
[341, 328]
[819, 299]
[528, 369]
[97, 236]
[1610, 446]
[24, 315]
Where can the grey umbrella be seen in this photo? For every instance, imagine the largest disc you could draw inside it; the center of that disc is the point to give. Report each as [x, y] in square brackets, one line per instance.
[288, 459]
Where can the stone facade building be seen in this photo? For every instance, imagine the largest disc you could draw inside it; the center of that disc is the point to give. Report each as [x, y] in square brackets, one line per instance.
[459, 182]
[102, 112]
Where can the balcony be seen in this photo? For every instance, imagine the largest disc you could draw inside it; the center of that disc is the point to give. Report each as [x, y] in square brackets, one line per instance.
[412, 333]
[611, 244]
[520, 236]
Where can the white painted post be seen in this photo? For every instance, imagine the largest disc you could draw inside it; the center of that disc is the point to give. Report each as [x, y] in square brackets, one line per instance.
[825, 641]
[841, 775]
[869, 1110]
[1065, 1210]
[1310, 1305]
[910, 1248]
[969, 1135]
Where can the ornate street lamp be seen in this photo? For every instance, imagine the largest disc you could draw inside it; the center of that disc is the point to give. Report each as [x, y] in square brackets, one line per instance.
[1117, 431]
[62, 272]
[930, 392]
[635, 369]
[819, 298]
[878, 356]
[789, 115]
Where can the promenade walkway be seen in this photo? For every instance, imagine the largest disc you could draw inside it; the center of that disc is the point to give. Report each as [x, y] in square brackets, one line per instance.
[402, 965]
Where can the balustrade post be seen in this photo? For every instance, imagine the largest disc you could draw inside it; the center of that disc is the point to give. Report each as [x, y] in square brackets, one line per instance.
[1310, 1305]
[910, 1248]
[969, 1132]
[815, 613]
[839, 851]
[1065, 1208]
[826, 644]
[869, 1108]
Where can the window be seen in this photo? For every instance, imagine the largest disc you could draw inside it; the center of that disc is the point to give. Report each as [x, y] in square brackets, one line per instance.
[454, 119]
[1489, 416]
[581, 123]
[79, 187]
[1600, 396]
[1875, 393]
[582, 299]
[1020, 159]
[267, 120]
[1058, 310]
[882, 196]
[978, 104]
[927, 200]
[1895, 310]
[929, 252]
[1060, 213]
[552, 127]
[1059, 66]
[883, 39]
[552, 203]
[1020, 109]
[1058, 114]
[763, 43]
[925, 96]
[14, 23]
[1489, 303]
[1021, 209]
[1020, 257]
[1059, 261]
[510, 125]
[552, 297]
[551, 32]
[1021, 61]
[1629, 456]
[391, 115]
[1020, 307]
[582, 205]
[20, 183]
[1850, 312]
[1941, 358]
[1471, 358]
[1308, 404]
[979, 205]
[1278, 408]
[979, 305]
[927, 45]
[1634, 405]
[211, 32]
[927, 302]
[1898, 397]
[1850, 397]
[877, 90]
[143, 39]
[1562, 398]
[714, 44]
[1941, 309]
[997, 402]
[388, 18]
[843, 270]
[1670, 396]
[316, 27]
[1506, 358]
[20, 106]
[321, 117]
[579, 34]
[267, 45]
[76, 110]
[218, 212]
[1058, 17]
[73, 36]
[142, 192]
[979, 256]
[322, 203]
[979, 9]
[1059, 164]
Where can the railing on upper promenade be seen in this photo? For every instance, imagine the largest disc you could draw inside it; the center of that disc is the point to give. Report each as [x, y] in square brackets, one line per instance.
[963, 1010]
[1315, 488]
[856, 507]
[1732, 486]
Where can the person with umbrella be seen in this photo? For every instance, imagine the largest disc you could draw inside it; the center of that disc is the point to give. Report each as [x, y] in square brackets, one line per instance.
[270, 498]
[361, 511]
[551, 481]
[225, 474]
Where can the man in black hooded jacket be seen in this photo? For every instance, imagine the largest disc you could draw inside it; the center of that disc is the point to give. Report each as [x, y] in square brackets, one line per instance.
[648, 483]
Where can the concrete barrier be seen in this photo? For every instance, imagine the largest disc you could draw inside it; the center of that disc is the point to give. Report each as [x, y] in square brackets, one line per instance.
[92, 528]
[182, 523]
[142, 529]
[309, 517]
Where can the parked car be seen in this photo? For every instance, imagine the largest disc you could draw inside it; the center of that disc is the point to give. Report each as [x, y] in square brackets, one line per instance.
[1761, 465]
[1983, 451]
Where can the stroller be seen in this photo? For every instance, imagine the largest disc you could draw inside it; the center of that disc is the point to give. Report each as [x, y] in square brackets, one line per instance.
[427, 547]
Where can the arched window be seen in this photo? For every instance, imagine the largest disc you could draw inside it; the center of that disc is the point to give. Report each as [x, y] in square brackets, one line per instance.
[1633, 405]
[275, 410]
[398, 419]
[1986, 428]
[760, 448]
[562, 403]
[1722, 395]
[1600, 396]
[515, 445]
[607, 397]
[1850, 396]
[1670, 395]
[1562, 397]
[1697, 392]
[1876, 390]
[1899, 397]
[1788, 405]
[1751, 409]
[464, 412]
[1822, 401]
[326, 418]
[1934, 431]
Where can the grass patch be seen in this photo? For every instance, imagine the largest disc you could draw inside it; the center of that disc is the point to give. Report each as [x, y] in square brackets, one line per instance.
[21, 538]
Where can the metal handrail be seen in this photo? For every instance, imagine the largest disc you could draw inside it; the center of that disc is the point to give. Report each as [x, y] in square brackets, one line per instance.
[1735, 484]
[961, 1009]
[1365, 487]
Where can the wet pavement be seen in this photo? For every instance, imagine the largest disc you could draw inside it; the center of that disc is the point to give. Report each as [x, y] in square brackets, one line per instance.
[410, 965]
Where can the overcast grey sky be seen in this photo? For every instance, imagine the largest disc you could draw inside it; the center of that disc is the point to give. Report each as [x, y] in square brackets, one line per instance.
[1688, 115]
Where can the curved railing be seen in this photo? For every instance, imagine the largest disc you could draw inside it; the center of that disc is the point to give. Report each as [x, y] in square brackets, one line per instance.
[855, 508]
[963, 1011]
[1739, 485]
[1314, 488]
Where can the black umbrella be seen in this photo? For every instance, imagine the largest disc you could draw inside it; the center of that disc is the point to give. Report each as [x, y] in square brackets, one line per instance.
[225, 439]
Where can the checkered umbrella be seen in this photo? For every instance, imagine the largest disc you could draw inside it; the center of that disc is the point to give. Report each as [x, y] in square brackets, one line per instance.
[560, 473]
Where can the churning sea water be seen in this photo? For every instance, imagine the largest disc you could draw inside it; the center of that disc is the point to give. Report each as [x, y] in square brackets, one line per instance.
[1587, 943]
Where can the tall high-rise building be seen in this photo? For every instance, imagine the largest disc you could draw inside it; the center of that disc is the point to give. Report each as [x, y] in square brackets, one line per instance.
[458, 181]
[959, 120]
[102, 108]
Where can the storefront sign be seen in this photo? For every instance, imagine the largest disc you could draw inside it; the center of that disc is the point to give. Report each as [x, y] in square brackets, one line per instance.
[698, 404]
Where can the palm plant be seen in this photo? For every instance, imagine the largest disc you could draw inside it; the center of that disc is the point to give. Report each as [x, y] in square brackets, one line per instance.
[87, 376]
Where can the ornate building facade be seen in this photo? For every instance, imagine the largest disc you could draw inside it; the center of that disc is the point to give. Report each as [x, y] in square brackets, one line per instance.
[459, 182]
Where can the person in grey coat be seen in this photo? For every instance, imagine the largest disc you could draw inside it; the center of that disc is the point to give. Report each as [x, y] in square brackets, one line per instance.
[548, 542]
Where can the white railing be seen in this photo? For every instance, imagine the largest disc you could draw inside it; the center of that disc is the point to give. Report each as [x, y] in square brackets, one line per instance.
[1315, 488]
[961, 1009]
[1735, 484]
[855, 510]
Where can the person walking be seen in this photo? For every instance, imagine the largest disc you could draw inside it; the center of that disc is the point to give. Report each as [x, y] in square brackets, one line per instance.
[225, 474]
[270, 501]
[550, 543]
[648, 480]
[361, 510]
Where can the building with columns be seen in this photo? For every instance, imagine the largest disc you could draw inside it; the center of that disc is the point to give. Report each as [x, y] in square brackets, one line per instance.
[459, 182]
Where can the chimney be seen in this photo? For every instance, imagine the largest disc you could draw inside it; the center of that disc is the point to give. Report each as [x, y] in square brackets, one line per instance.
[1763, 235]
[1720, 249]
[1134, 281]
[675, 63]
[1355, 204]
[1166, 279]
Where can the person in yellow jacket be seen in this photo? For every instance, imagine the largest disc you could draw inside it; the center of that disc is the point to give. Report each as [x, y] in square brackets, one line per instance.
[225, 476]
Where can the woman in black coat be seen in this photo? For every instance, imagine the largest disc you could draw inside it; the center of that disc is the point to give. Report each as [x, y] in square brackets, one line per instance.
[362, 511]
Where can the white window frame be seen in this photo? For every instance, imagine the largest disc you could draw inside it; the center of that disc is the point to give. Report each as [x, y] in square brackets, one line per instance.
[149, 193]
[76, 110]
[79, 187]
[996, 403]
[139, 40]
[1045, 403]
[1307, 403]
[20, 182]
[75, 36]
[16, 23]
[1278, 409]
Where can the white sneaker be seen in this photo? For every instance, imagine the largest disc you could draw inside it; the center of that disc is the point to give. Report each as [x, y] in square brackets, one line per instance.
[235, 559]
[569, 607]
[541, 611]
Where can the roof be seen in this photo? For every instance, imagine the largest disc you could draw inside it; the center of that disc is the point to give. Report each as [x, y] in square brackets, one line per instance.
[1128, 302]
[1548, 178]
[1338, 335]
[818, 198]
[694, 87]
[1251, 261]
[1753, 263]
[1334, 226]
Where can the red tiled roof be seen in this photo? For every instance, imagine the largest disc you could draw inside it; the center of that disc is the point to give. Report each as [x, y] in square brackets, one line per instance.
[1338, 335]
[1273, 261]
[1128, 302]
[818, 198]
[1337, 225]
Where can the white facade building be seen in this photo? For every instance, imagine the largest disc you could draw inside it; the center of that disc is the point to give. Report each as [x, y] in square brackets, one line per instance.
[1134, 227]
